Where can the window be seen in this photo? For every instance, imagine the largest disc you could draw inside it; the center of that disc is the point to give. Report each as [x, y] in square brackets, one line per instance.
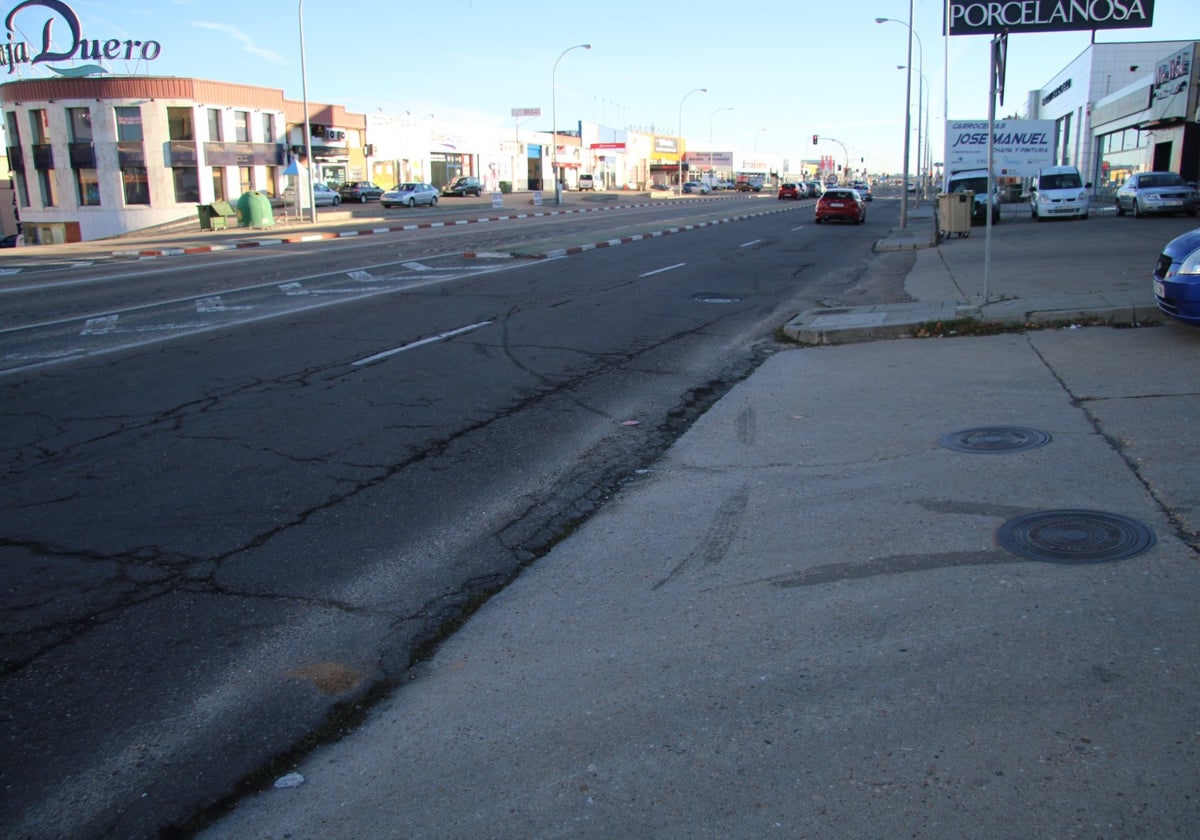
[219, 184]
[129, 125]
[88, 187]
[80, 121]
[214, 125]
[46, 185]
[272, 180]
[241, 126]
[39, 125]
[246, 178]
[179, 124]
[137, 185]
[268, 128]
[187, 184]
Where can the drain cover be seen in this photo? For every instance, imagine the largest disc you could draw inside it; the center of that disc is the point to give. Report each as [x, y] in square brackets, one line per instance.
[994, 439]
[1075, 536]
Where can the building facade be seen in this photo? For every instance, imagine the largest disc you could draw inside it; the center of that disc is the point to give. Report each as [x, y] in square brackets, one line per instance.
[95, 157]
[1107, 122]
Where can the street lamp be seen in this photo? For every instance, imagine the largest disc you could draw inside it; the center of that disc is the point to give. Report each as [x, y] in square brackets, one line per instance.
[554, 120]
[308, 160]
[710, 122]
[907, 108]
[760, 131]
[680, 140]
[922, 159]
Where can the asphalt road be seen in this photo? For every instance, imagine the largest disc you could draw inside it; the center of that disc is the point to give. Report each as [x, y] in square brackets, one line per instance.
[243, 492]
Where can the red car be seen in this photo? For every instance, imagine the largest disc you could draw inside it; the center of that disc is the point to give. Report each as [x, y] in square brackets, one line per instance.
[789, 191]
[841, 203]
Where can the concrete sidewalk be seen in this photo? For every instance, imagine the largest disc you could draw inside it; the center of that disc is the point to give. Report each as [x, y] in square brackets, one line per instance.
[801, 622]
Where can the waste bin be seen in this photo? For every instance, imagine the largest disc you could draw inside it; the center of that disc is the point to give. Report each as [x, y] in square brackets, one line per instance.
[254, 210]
[954, 213]
[215, 216]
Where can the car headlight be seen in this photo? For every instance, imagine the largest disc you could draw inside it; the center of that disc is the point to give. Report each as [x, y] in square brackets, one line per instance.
[1153, 196]
[1082, 195]
[1191, 264]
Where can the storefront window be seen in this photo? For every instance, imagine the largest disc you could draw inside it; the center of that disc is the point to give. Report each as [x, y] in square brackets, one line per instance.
[88, 187]
[129, 125]
[179, 124]
[137, 185]
[187, 184]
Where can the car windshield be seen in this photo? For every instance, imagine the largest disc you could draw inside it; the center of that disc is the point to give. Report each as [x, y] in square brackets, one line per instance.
[839, 194]
[1168, 179]
[406, 187]
[1064, 181]
[976, 185]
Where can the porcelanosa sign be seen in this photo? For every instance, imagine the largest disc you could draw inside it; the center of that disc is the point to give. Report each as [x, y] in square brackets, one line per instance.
[58, 16]
[979, 17]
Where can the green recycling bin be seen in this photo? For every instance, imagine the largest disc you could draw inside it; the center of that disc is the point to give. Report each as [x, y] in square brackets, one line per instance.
[215, 216]
[254, 210]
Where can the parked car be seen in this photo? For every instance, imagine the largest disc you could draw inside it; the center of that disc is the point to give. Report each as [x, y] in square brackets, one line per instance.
[1177, 278]
[841, 203]
[360, 191]
[976, 181]
[696, 187]
[465, 185]
[9, 241]
[864, 189]
[790, 190]
[813, 189]
[1157, 192]
[587, 182]
[1057, 192]
[410, 194]
[323, 195]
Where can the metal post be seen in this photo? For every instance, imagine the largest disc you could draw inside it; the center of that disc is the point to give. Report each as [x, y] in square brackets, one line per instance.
[680, 136]
[308, 158]
[554, 120]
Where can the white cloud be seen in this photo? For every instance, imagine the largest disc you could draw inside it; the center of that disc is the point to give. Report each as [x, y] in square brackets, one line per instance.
[246, 41]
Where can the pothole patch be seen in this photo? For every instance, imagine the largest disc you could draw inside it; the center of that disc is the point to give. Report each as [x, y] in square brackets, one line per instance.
[1075, 536]
[994, 440]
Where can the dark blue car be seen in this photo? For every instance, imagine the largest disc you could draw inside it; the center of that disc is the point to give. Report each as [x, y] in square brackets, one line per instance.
[1177, 278]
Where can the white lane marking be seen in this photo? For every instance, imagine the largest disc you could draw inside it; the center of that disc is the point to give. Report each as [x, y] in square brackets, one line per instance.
[800, 227]
[360, 276]
[421, 343]
[216, 304]
[100, 326]
[751, 242]
[661, 270]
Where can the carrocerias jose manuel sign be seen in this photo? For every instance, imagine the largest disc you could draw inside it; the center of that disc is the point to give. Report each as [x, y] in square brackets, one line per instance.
[981, 17]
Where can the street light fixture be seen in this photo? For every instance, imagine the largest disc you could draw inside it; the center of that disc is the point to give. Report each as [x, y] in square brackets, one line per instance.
[922, 158]
[680, 138]
[710, 122]
[907, 108]
[554, 120]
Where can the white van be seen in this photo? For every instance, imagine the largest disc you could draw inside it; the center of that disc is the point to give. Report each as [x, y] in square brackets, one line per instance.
[976, 181]
[1058, 192]
[587, 182]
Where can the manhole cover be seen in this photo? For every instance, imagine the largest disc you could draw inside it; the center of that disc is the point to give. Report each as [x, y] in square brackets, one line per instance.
[715, 297]
[994, 439]
[1075, 536]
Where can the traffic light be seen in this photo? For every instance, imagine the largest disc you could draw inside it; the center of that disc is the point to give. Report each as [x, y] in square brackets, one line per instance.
[814, 139]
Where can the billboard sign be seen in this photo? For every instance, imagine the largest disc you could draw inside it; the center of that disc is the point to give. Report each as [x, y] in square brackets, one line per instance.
[982, 17]
[1019, 147]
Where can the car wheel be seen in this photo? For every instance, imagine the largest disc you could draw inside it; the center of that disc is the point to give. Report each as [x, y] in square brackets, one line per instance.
[433, 201]
[337, 199]
[1137, 209]
[1120, 209]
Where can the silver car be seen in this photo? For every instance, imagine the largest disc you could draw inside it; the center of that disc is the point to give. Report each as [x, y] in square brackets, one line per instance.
[410, 195]
[1157, 192]
[323, 195]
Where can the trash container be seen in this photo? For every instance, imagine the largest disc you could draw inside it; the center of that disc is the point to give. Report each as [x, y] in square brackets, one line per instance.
[254, 210]
[215, 216]
[954, 213]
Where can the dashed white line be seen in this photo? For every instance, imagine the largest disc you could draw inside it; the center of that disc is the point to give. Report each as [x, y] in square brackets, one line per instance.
[751, 242]
[421, 343]
[661, 270]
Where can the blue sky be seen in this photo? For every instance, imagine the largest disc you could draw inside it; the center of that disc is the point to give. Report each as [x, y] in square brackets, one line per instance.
[786, 69]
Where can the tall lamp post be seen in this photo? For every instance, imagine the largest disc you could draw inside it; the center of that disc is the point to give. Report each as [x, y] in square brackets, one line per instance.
[907, 107]
[306, 128]
[680, 150]
[922, 117]
[554, 120]
[710, 122]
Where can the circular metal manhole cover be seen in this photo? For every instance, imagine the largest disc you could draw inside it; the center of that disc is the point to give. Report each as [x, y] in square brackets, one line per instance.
[715, 297]
[994, 439]
[1075, 536]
